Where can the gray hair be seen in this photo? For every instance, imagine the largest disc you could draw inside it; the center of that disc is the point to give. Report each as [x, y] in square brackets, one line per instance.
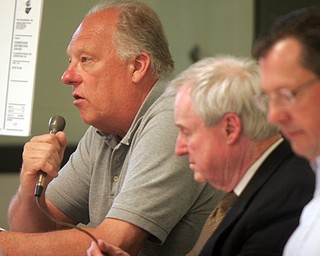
[139, 30]
[226, 84]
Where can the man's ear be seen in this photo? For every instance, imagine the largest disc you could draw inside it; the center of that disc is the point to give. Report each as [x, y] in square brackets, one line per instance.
[233, 127]
[141, 65]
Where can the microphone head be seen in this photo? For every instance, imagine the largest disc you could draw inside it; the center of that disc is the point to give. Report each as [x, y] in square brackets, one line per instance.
[56, 124]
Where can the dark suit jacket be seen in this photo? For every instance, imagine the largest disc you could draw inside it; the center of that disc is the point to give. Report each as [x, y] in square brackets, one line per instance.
[267, 212]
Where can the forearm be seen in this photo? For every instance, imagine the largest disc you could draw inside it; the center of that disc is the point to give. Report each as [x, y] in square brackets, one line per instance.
[25, 216]
[44, 153]
[67, 242]
[128, 237]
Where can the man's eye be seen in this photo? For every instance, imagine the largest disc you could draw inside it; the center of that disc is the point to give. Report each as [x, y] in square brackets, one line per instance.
[185, 133]
[85, 59]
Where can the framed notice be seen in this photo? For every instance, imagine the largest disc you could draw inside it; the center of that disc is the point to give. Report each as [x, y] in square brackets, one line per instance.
[20, 28]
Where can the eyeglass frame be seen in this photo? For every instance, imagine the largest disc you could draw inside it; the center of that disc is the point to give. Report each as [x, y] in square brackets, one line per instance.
[262, 100]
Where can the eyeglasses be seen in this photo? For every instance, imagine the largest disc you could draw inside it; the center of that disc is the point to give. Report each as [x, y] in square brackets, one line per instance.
[283, 97]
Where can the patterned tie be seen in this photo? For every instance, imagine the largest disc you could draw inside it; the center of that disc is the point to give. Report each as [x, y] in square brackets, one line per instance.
[212, 222]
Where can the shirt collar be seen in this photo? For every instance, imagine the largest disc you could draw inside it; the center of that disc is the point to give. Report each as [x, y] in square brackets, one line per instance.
[156, 91]
[253, 169]
[316, 167]
[316, 164]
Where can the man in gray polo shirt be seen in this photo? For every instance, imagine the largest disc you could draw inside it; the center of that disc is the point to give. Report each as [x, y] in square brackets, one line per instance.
[124, 178]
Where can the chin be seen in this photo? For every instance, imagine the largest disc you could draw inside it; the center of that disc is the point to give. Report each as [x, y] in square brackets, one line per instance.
[86, 118]
[199, 178]
[302, 150]
[86, 121]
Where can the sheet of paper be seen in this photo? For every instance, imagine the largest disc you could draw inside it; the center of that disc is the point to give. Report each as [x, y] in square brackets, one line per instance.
[20, 28]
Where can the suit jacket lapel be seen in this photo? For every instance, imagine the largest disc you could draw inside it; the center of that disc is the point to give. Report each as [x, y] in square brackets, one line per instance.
[265, 171]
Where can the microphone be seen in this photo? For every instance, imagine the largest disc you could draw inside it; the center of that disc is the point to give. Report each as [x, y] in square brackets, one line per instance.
[56, 124]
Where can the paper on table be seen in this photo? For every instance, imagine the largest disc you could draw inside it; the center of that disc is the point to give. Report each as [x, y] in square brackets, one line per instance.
[20, 28]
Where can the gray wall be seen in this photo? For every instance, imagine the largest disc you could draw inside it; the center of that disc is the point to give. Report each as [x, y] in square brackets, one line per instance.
[216, 26]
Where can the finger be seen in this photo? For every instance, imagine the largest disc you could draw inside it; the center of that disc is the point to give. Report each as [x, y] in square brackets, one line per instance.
[112, 250]
[94, 250]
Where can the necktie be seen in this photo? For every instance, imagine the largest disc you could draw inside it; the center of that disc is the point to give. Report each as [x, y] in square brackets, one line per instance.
[212, 222]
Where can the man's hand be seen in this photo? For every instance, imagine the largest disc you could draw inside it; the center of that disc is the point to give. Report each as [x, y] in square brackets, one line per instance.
[43, 153]
[105, 249]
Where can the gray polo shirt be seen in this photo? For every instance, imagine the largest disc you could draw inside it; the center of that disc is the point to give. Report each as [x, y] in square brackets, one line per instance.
[138, 179]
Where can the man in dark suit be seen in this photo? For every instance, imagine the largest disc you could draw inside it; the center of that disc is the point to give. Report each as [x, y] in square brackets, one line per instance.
[267, 211]
[231, 145]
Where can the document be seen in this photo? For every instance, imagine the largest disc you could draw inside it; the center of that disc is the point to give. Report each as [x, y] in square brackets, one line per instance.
[20, 28]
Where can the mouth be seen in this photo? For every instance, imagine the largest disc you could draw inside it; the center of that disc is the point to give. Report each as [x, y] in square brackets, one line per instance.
[77, 99]
[290, 134]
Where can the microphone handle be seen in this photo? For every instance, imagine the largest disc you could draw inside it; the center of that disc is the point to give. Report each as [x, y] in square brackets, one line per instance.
[40, 184]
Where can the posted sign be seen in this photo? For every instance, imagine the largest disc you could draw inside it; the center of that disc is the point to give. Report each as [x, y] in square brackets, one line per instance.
[20, 28]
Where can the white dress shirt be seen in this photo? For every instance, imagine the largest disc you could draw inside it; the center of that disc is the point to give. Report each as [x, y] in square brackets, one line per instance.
[305, 241]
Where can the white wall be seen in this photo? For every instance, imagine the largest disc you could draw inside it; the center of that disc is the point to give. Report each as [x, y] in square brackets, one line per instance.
[216, 26]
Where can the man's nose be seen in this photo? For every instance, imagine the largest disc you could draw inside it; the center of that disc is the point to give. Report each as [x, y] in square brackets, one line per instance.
[71, 76]
[277, 113]
[181, 146]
